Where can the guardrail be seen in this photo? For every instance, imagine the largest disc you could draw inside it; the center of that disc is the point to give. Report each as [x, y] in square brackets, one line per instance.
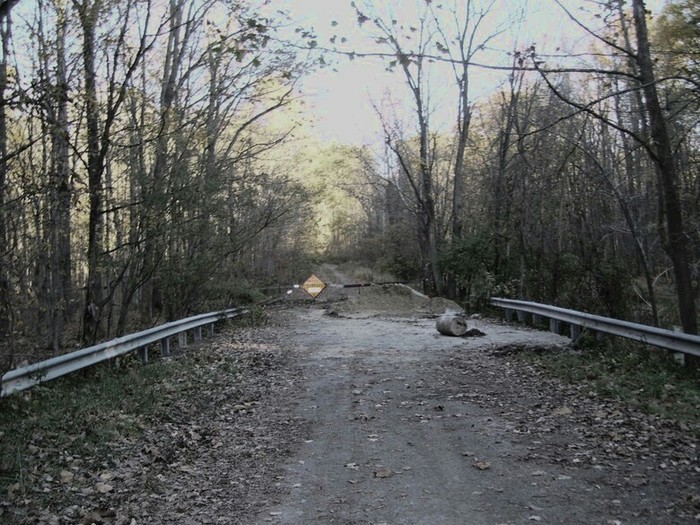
[577, 321]
[30, 375]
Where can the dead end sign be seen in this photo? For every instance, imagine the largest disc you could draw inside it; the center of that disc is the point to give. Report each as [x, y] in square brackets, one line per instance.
[313, 286]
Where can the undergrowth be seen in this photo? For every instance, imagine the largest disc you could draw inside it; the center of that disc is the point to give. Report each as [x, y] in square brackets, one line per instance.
[78, 413]
[644, 377]
[256, 317]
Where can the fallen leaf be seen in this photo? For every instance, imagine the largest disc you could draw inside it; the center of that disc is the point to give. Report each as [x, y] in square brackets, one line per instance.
[383, 473]
[67, 476]
[92, 517]
[562, 411]
[482, 465]
[103, 488]
[11, 490]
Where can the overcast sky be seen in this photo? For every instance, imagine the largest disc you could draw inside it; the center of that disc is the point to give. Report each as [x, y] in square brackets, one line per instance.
[341, 100]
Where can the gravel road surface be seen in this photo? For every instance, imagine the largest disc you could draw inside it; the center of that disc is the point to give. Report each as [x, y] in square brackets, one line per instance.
[352, 409]
[412, 427]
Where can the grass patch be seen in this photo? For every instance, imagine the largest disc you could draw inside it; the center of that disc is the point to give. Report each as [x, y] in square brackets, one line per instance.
[82, 414]
[644, 377]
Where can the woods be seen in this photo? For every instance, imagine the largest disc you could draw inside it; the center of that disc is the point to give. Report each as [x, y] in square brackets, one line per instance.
[154, 161]
[575, 182]
[136, 164]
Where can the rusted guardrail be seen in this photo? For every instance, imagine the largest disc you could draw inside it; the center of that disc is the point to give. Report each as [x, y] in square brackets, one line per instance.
[30, 375]
[577, 321]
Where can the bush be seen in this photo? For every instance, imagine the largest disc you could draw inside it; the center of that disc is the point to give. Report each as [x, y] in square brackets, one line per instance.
[467, 262]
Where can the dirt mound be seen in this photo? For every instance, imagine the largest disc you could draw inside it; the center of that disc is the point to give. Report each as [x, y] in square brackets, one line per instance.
[397, 299]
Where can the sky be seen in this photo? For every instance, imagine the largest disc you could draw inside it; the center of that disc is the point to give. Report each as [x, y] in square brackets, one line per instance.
[341, 97]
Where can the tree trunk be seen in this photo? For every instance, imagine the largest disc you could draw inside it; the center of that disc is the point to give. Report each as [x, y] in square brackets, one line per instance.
[156, 198]
[429, 241]
[463, 124]
[633, 167]
[92, 315]
[676, 241]
[60, 195]
[5, 304]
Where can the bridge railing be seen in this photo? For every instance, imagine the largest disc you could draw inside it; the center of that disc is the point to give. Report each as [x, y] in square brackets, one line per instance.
[577, 321]
[30, 375]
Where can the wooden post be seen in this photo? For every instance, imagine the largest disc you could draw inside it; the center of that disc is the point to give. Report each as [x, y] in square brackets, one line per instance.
[197, 334]
[165, 347]
[210, 329]
[182, 340]
[523, 316]
[143, 354]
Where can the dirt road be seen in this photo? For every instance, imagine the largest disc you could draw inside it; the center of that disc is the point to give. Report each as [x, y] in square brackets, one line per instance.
[353, 410]
[410, 427]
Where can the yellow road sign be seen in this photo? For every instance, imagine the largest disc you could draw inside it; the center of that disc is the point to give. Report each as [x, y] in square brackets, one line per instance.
[313, 286]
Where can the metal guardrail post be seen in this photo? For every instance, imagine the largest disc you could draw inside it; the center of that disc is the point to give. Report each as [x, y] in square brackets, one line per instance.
[668, 339]
[30, 375]
[575, 332]
[554, 326]
[165, 347]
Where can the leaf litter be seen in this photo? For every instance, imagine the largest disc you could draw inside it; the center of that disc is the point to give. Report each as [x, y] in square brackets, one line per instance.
[210, 452]
[571, 425]
[213, 450]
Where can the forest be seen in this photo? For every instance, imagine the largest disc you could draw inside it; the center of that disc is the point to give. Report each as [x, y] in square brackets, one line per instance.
[155, 162]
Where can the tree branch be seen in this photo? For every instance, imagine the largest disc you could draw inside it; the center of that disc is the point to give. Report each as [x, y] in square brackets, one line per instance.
[593, 33]
[588, 108]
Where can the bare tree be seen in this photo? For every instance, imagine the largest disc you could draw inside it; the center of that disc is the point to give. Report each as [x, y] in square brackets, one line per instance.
[413, 64]
[660, 150]
[52, 93]
[5, 35]
[465, 20]
[98, 139]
